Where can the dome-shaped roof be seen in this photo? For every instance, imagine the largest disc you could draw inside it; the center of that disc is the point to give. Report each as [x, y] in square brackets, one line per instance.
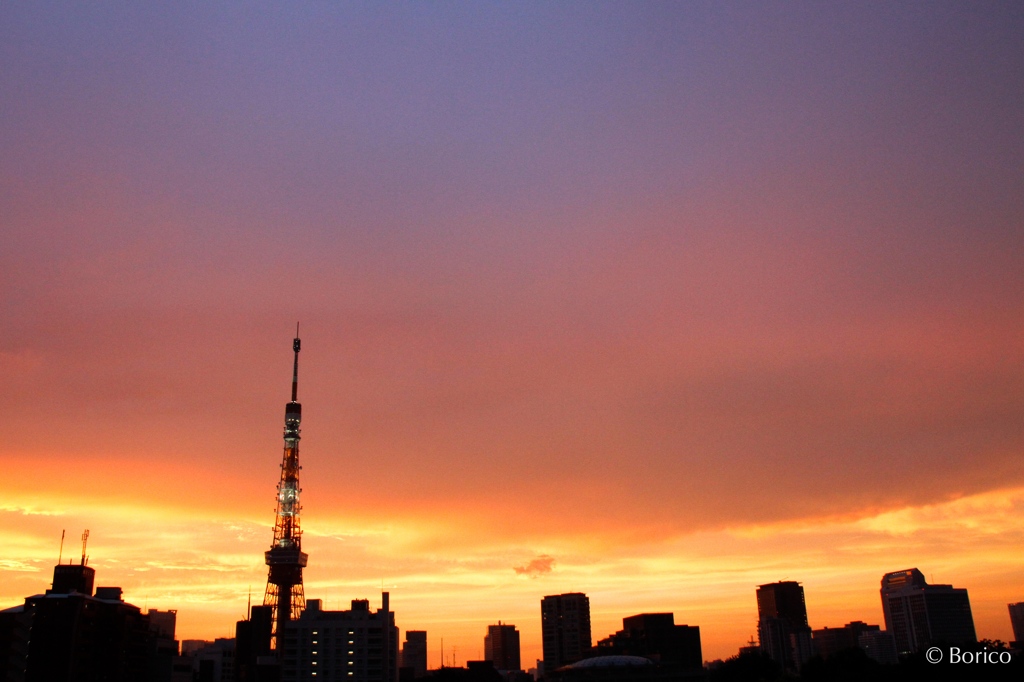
[611, 661]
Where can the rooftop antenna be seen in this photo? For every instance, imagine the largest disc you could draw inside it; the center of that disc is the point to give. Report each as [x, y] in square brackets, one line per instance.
[248, 605]
[61, 554]
[295, 372]
[85, 541]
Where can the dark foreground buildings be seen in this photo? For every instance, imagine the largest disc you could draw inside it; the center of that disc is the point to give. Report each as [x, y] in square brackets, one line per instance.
[828, 641]
[255, 660]
[876, 643]
[414, 654]
[73, 632]
[657, 637]
[214, 662]
[358, 645]
[501, 646]
[475, 671]
[626, 669]
[1017, 622]
[918, 614]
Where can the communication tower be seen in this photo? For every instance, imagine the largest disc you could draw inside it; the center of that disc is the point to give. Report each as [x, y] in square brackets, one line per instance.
[285, 556]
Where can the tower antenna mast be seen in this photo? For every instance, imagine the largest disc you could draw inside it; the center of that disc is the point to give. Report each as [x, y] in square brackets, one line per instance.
[285, 556]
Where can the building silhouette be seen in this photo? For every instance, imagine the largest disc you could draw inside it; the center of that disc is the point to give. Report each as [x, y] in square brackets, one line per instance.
[501, 646]
[828, 641]
[657, 637]
[414, 653]
[565, 627]
[751, 647]
[782, 630]
[879, 646]
[357, 645]
[15, 625]
[475, 671]
[73, 632]
[255, 661]
[165, 663]
[1017, 622]
[918, 614]
[190, 646]
[215, 662]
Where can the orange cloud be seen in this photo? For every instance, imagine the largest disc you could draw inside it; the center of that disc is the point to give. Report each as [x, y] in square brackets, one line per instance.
[536, 567]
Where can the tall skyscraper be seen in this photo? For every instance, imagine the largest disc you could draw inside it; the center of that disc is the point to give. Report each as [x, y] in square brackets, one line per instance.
[414, 652]
[565, 625]
[285, 557]
[782, 628]
[501, 646]
[918, 614]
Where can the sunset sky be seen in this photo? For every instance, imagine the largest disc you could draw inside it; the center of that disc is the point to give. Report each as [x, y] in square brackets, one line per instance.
[655, 301]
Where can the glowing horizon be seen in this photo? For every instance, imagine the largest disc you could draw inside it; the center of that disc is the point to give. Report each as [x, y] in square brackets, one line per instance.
[706, 578]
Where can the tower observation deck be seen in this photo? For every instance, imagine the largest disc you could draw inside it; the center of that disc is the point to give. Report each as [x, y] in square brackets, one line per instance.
[285, 556]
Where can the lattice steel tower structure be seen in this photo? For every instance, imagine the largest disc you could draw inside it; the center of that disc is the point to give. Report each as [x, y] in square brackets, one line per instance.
[285, 557]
